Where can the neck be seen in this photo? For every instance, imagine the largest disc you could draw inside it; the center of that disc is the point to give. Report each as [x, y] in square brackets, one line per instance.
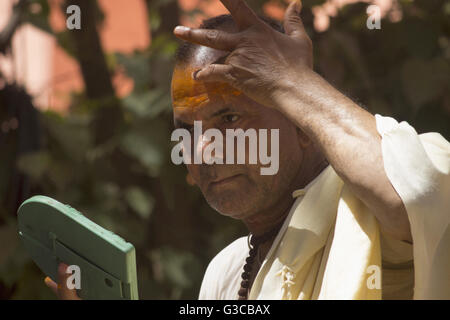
[264, 222]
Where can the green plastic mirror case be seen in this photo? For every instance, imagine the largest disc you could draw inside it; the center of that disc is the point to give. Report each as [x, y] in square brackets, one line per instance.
[53, 232]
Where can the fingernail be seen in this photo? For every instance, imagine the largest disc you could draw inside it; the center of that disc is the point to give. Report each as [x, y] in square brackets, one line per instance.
[194, 74]
[181, 30]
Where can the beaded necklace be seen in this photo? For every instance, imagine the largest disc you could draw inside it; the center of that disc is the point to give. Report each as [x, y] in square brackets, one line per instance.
[254, 243]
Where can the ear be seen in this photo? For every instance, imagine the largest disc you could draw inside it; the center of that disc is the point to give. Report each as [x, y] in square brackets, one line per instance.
[303, 139]
[190, 180]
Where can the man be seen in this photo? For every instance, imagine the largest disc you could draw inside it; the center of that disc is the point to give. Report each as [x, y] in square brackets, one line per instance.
[375, 180]
[357, 197]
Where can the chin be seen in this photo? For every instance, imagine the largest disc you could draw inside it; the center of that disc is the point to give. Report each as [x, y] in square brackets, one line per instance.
[237, 205]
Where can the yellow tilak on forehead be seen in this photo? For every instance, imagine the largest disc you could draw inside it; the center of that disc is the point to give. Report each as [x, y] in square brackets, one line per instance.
[188, 93]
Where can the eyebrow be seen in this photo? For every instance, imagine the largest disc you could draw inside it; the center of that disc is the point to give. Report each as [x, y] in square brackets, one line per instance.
[220, 112]
[182, 124]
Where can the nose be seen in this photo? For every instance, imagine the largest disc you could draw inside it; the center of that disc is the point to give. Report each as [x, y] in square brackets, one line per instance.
[209, 147]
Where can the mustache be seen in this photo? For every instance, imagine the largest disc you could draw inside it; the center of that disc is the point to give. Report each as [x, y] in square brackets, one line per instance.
[209, 173]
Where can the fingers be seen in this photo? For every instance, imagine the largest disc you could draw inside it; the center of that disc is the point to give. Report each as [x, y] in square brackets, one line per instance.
[293, 24]
[215, 72]
[241, 13]
[64, 293]
[60, 289]
[216, 39]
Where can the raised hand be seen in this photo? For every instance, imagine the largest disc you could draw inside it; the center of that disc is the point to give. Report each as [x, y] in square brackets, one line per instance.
[262, 62]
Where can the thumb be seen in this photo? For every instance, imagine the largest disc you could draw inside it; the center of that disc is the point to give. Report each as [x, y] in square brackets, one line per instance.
[293, 24]
[51, 284]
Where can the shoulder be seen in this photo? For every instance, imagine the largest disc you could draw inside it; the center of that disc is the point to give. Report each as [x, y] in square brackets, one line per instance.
[223, 272]
[432, 144]
[417, 165]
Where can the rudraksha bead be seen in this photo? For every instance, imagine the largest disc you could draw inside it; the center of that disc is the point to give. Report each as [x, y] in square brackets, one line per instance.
[245, 284]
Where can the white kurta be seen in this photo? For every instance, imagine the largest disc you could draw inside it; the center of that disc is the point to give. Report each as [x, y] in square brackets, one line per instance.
[330, 244]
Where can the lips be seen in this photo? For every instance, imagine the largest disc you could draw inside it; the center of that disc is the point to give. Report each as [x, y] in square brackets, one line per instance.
[223, 180]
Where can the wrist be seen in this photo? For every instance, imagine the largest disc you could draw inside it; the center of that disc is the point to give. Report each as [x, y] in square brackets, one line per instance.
[310, 101]
[298, 89]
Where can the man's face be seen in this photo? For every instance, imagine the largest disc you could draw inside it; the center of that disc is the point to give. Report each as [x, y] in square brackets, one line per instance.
[235, 190]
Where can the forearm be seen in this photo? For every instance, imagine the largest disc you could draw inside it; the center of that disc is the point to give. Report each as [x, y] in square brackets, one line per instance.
[334, 122]
[347, 136]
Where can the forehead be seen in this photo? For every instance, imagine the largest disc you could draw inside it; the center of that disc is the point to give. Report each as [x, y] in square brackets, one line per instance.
[191, 98]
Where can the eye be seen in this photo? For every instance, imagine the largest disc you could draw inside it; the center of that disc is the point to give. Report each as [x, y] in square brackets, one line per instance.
[187, 127]
[230, 118]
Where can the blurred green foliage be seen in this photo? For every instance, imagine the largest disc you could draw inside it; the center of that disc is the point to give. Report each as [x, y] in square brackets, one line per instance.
[128, 184]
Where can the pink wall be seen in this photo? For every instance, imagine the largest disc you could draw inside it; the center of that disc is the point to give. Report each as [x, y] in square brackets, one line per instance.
[125, 29]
